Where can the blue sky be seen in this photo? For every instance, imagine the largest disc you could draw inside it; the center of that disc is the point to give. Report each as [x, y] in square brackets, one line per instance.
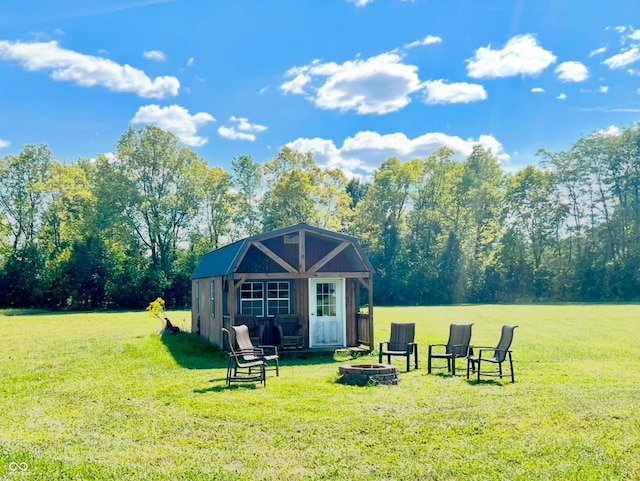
[353, 81]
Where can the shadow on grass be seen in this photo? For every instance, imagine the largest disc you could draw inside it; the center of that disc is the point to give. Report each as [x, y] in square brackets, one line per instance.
[488, 382]
[193, 352]
[224, 387]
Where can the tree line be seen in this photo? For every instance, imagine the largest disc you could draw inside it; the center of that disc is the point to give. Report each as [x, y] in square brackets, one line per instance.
[123, 228]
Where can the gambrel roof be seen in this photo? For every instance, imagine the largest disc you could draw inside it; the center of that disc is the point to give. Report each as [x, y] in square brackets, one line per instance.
[275, 253]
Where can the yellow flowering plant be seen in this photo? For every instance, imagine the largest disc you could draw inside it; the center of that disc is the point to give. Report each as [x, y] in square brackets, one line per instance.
[156, 308]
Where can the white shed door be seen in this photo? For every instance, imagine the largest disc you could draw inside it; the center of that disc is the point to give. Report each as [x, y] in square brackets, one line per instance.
[326, 313]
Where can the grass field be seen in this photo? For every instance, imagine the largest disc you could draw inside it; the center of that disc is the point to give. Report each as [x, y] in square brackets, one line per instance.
[101, 396]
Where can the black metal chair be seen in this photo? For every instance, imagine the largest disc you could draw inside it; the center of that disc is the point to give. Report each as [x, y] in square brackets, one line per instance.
[500, 354]
[401, 343]
[456, 347]
[290, 330]
[250, 352]
[241, 370]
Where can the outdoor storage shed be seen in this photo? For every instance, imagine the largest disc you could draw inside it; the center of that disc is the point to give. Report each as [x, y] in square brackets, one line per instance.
[308, 271]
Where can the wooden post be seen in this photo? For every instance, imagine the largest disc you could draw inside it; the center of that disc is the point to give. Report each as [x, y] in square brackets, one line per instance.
[371, 336]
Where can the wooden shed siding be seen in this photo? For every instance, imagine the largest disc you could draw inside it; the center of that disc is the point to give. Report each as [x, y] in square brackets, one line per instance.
[210, 325]
[256, 261]
[351, 309]
[317, 248]
[301, 304]
[341, 263]
[289, 252]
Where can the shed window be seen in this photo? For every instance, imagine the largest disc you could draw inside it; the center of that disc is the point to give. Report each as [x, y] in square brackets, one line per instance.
[252, 298]
[277, 298]
[212, 299]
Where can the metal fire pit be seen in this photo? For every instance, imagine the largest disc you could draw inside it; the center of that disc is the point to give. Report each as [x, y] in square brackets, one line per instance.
[362, 374]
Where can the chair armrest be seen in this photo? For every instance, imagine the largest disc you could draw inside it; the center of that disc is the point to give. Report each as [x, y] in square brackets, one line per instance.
[431, 346]
[487, 348]
[493, 349]
[241, 361]
[250, 352]
[411, 346]
[266, 347]
[383, 343]
[471, 348]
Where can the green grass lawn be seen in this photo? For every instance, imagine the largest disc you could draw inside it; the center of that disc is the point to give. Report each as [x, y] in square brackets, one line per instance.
[88, 396]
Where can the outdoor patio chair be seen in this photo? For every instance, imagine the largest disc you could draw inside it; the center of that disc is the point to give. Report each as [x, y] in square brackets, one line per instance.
[256, 328]
[241, 370]
[250, 352]
[401, 343]
[500, 353]
[290, 330]
[456, 347]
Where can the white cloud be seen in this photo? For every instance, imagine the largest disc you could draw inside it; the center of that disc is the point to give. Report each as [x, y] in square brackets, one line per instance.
[623, 59]
[241, 129]
[603, 89]
[439, 92]
[377, 85]
[537, 90]
[296, 85]
[87, 70]
[4, 143]
[155, 55]
[597, 51]
[635, 35]
[428, 40]
[360, 3]
[572, 72]
[562, 96]
[520, 56]
[190, 61]
[362, 153]
[610, 131]
[175, 119]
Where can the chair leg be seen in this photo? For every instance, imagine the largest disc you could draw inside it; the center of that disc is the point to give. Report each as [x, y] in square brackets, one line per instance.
[479, 361]
[415, 355]
[500, 369]
[277, 368]
[453, 365]
[468, 363]
[511, 367]
[429, 361]
[380, 356]
[408, 362]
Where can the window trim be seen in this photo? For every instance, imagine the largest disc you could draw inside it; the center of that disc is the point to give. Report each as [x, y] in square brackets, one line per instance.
[212, 299]
[288, 298]
[264, 300]
[251, 299]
